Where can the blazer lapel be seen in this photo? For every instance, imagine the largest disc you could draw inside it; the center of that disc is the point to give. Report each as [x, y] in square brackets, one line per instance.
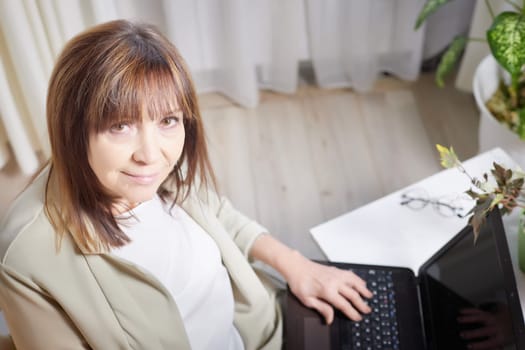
[144, 308]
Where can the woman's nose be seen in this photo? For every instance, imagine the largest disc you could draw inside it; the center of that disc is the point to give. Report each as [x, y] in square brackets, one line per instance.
[148, 147]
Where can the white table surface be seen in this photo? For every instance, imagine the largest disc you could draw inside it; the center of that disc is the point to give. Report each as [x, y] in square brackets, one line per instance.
[387, 233]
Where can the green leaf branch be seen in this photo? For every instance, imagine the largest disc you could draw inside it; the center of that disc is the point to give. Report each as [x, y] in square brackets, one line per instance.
[506, 39]
[503, 188]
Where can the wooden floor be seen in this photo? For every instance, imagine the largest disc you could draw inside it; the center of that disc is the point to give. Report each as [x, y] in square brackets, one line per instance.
[298, 160]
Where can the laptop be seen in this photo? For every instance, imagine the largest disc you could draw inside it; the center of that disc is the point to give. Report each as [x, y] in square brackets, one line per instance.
[464, 294]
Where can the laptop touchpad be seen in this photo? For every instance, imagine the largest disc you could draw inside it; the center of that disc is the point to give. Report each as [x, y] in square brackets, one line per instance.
[316, 334]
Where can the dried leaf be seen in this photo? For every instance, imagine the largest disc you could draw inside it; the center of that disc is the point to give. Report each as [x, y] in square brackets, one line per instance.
[514, 187]
[499, 174]
[476, 221]
[479, 215]
[508, 174]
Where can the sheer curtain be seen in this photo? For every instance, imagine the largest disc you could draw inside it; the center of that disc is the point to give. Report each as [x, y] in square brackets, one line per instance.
[235, 47]
[353, 41]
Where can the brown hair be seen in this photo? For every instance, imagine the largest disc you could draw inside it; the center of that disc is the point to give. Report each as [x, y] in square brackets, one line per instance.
[109, 72]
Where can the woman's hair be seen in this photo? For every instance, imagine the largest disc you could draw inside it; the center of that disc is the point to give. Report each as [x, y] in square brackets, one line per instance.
[109, 73]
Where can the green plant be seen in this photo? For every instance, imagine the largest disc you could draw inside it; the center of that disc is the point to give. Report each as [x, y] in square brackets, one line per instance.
[506, 39]
[502, 189]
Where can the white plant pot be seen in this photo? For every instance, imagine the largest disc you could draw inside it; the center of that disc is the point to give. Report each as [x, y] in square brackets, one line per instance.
[492, 133]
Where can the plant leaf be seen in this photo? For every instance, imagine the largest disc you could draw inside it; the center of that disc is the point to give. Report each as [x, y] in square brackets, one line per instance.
[501, 175]
[472, 194]
[448, 157]
[521, 125]
[517, 185]
[479, 215]
[496, 200]
[430, 7]
[486, 186]
[506, 39]
[476, 221]
[449, 59]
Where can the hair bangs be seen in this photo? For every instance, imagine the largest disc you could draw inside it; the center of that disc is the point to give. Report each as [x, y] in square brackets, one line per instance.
[160, 97]
[146, 90]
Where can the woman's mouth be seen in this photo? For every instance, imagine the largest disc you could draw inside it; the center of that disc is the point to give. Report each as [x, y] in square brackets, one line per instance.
[142, 179]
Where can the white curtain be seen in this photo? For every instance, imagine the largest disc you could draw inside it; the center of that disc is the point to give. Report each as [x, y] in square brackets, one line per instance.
[235, 47]
[353, 41]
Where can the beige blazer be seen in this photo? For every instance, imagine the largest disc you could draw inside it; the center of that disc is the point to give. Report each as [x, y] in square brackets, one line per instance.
[69, 300]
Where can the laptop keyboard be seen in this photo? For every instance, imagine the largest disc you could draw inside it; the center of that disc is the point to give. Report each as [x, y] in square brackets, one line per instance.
[377, 330]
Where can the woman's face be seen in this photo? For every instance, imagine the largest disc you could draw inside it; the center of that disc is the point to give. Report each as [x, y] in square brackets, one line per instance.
[132, 159]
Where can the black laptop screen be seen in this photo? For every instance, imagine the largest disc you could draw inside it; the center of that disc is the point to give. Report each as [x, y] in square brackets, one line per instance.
[465, 294]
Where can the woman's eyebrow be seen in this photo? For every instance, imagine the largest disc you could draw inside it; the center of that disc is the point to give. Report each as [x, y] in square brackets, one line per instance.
[174, 112]
[168, 113]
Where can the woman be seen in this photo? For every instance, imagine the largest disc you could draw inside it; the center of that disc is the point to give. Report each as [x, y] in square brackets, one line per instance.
[121, 241]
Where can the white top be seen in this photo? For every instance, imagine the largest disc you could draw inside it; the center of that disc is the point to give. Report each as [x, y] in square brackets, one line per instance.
[186, 260]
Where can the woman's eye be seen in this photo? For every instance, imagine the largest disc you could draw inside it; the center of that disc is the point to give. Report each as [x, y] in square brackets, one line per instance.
[170, 121]
[119, 128]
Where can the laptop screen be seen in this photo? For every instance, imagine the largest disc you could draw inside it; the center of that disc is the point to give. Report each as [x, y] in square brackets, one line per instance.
[468, 292]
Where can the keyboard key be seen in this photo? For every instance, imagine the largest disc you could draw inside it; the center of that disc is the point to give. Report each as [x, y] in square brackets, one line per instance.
[377, 330]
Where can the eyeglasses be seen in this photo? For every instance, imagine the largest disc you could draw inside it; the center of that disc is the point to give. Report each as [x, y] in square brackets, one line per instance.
[447, 206]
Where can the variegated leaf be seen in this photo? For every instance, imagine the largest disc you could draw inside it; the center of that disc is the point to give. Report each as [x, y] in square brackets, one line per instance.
[506, 39]
[449, 59]
[521, 125]
[430, 7]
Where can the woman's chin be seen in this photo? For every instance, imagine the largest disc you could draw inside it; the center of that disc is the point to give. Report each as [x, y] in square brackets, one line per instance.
[130, 202]
[136, 200]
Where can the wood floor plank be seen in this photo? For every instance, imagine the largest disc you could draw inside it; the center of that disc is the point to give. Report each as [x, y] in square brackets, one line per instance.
[328, 168]
[343, 167]
[231, 156]
[401, 150]
[287, 192]
[451, 117]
